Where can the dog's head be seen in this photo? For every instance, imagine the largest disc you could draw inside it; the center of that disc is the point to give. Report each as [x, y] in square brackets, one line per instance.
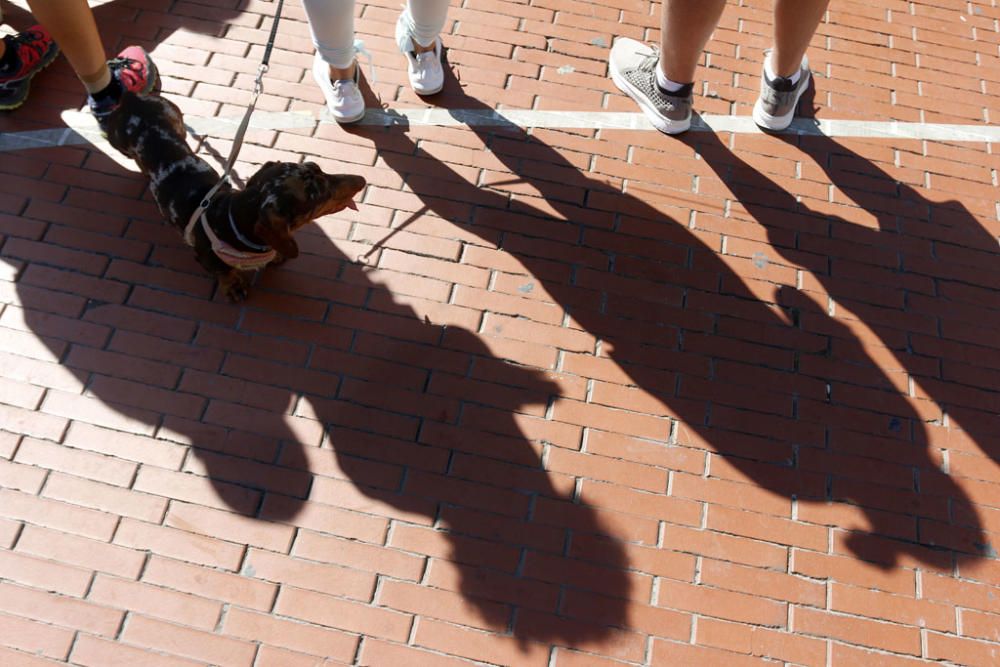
[288, 196]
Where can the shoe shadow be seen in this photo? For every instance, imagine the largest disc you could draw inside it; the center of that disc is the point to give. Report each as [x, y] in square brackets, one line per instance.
[747, 364]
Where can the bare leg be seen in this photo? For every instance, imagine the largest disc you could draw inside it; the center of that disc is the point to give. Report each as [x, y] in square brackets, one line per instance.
[795, 23]
[71, 23]
[685, 28]
[343, 73]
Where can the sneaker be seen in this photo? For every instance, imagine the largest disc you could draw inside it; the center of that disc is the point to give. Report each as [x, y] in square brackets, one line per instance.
[343, 97]
[775, 107]
[135, 72]
[633, 69]
[35, 50]
[425, 71]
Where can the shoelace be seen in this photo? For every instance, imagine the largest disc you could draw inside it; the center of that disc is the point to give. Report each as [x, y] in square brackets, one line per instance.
[649, 60]
[32, 52]
[345, 87]
[125, 63]
[426, 58]
[359, 49]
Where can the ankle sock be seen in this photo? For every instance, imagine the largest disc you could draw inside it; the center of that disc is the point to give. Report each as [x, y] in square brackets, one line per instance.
[772, 75]
[668, 86]
[109, 95]
[10, 61]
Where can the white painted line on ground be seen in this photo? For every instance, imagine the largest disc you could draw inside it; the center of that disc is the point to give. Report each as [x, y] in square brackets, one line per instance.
[83, 130]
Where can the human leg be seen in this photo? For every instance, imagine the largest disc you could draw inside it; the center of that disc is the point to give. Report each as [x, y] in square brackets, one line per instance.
[685, 27]
[418, 35]
[72, 25]
[661, 82]
[795, 23]
[335, 69]
[786, 75]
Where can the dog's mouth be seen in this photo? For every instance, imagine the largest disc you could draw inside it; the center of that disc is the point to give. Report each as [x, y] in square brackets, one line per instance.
[342, 204]
[347, 187]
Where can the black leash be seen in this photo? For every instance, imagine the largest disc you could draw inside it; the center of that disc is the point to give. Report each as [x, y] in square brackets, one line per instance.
[258, 88]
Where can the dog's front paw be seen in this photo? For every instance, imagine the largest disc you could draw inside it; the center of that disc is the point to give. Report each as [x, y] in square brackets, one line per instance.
[234, 286]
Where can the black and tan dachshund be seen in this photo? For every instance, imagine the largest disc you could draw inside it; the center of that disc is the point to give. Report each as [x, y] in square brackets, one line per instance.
[240, 230]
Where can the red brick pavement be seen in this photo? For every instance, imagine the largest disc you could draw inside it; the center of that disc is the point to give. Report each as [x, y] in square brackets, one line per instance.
[592, 397]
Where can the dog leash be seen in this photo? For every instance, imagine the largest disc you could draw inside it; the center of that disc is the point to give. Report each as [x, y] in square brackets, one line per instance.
[258, 88]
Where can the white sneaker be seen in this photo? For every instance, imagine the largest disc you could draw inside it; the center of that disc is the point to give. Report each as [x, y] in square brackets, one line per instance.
[425, 71]
[343, 98]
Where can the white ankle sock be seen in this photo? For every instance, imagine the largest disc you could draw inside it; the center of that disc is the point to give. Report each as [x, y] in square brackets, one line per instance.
[769, 70]
[665, 83]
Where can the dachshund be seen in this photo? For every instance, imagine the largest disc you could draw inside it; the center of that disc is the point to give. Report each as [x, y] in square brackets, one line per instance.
[239, 230]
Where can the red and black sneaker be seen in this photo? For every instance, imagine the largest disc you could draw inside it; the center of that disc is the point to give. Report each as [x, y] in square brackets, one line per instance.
[34, 50]
[135, 73]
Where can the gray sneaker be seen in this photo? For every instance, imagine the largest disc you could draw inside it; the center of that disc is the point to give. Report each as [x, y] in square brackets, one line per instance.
[633, 69]
[775, 107]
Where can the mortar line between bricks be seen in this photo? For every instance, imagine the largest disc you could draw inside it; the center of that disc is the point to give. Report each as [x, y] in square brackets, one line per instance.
[83, 129]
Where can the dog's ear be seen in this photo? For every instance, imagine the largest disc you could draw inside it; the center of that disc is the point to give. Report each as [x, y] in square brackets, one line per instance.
[262, 175]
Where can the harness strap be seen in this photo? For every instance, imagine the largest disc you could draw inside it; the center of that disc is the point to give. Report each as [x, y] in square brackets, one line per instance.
[238, 259]
[247, 260]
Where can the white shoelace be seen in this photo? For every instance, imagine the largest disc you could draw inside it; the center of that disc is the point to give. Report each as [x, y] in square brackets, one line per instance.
[426, 59]
[359, 49]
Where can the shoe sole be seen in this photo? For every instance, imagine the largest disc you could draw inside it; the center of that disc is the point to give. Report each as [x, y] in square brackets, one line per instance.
[27, 83]
[348, 121]
[424, 93]
[153, 83]
[766, 121]
[157, 83]
[662, 124]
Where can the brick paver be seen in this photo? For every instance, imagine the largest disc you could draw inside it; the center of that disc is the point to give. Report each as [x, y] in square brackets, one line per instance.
[551, 397]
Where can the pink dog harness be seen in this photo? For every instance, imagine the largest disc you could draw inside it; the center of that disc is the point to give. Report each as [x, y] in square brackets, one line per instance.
[244, 260]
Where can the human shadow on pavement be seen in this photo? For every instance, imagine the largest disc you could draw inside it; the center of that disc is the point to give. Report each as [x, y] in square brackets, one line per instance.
[325, 402]
[747, 363]
[922, 276]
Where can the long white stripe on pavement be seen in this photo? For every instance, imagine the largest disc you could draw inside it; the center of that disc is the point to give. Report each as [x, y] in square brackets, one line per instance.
[82, 129]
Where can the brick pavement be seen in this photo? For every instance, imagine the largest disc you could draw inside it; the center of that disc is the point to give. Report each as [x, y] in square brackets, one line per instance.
[558, 397]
